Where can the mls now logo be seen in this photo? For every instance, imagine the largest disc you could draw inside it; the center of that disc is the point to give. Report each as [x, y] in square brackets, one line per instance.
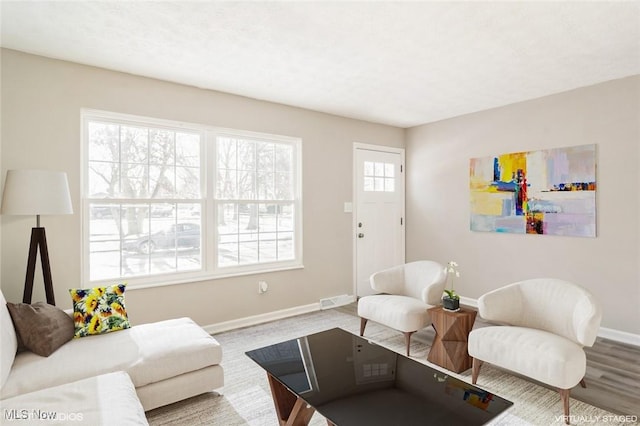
[23, 414]
[15, 414]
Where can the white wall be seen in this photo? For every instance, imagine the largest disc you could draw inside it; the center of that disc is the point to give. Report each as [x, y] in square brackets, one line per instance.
[40, 128]
[41, 102]
[438, 156]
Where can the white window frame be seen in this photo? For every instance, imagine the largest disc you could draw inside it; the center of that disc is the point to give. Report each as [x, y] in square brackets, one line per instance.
[209, 229]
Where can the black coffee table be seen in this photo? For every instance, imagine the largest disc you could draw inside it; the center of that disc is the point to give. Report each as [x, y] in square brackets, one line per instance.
[352, 381]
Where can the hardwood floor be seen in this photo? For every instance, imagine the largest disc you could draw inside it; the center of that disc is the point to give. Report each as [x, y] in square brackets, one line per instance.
[613, 371]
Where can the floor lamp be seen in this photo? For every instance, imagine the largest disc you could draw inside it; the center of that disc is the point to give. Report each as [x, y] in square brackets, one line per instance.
[37, 192]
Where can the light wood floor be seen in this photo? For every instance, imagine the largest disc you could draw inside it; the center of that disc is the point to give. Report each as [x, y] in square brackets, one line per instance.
[613, 371]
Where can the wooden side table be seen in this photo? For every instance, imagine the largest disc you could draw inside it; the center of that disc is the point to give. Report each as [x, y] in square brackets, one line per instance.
[449, 349]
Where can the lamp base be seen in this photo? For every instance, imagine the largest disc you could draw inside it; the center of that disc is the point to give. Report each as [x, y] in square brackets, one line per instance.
[38, 240]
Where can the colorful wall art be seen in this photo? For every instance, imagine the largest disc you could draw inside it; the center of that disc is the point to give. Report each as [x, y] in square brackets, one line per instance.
[550, 192]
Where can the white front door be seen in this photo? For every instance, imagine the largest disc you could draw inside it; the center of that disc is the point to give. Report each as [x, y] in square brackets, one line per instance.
[379, 212]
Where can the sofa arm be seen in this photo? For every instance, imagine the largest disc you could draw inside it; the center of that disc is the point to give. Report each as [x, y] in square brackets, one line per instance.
[503, 305]
[390, 281]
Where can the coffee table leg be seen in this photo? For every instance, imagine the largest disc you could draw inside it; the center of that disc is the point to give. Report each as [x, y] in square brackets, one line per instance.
[291, 409]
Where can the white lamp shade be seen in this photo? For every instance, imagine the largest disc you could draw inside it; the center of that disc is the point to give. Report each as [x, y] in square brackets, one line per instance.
[36, 192]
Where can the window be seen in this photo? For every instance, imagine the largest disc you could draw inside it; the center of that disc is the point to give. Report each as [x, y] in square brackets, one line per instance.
[255, 201]
[186, 201]
[379, 177]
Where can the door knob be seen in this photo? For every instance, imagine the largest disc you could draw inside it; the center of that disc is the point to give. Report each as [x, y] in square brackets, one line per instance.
[361, 235]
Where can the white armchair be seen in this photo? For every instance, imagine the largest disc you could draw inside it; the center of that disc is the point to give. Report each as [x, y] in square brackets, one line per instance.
[407, 291]
[548, 322]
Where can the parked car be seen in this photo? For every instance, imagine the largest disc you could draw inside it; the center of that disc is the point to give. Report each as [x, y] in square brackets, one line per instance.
[177, 235]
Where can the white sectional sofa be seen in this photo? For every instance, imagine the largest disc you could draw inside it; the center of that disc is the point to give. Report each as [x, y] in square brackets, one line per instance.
[163, 362]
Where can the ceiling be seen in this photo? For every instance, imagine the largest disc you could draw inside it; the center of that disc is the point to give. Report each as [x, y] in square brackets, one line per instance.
[397, 63]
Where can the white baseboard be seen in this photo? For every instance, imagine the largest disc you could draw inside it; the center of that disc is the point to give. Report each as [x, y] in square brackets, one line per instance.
[619, 336]
[260, 319]
[605, 333]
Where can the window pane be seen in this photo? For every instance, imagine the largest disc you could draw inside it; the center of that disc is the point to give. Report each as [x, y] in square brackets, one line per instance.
[189, 212]
[161, 182]
[268, 247]
[284, 158]
[248, 252]
[389, 170]
[134, 144]
[246, 155]
[265, 186]
[104, 179]
[104, 142]
[156, 241]
[254, 176]
[266, 156]
[104, 241]
[227, 253]
[188, 149]
[267, 220]
[228, 219]
[163, 210]
[246, 185]
[368, 168]
[134, 182]
[226, 185]
[226, 153]
[285, 217]
[255, 233]
[248, 218]
[369, 184]
[283, 186]
[187, 182]
[162, 147]
[378, 169]
[285, 246]
[189, 261]
[378, 184]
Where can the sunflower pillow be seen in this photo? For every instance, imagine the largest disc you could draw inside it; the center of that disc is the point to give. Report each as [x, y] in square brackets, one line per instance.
[99, 310]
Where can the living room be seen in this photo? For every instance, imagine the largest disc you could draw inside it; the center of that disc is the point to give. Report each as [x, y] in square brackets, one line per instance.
[43, 99]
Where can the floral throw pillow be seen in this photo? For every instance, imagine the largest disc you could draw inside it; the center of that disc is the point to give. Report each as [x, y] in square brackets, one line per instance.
[99, 310]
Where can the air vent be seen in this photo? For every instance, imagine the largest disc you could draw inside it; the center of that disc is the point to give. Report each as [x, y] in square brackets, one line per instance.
[332, 302]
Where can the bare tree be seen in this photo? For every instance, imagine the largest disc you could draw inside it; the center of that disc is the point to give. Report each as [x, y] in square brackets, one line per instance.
[139, 163]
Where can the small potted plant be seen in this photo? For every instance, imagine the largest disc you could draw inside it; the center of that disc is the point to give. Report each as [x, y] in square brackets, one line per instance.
[450, 299]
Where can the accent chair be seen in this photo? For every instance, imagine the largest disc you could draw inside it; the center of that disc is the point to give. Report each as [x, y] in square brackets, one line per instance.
[546, 324]
[405, 294]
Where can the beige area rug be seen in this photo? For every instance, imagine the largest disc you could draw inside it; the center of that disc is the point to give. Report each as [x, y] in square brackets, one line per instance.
[246, 398]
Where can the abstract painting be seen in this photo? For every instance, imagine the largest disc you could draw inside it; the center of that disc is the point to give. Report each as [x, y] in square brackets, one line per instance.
[550, 192]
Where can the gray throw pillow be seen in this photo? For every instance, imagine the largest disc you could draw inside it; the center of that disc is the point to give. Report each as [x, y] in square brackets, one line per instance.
[41, 327]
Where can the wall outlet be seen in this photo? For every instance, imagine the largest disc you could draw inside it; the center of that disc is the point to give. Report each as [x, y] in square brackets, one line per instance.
[262, 287]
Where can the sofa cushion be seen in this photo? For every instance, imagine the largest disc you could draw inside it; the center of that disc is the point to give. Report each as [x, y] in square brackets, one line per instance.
[148, 352]
[538, 354]
[99, 310]
[108, 399]
[170, 348]
[8, 341]
[41, 327]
